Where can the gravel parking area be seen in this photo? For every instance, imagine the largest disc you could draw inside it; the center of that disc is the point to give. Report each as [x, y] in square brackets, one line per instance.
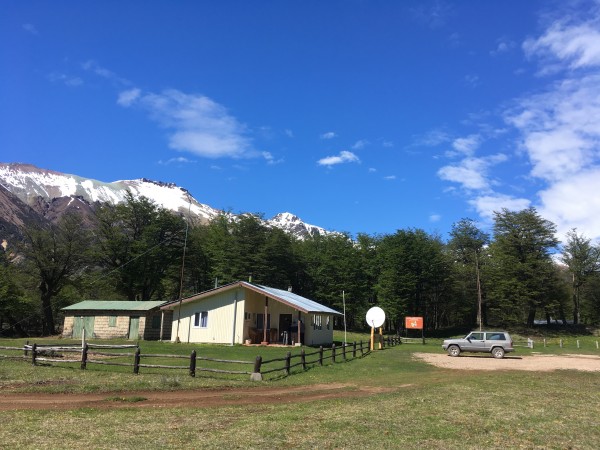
[540, 363]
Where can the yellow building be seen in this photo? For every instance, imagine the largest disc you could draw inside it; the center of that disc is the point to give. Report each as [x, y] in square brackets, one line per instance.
[235, 314]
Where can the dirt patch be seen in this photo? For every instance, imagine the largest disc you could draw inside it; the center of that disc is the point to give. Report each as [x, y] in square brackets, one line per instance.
[195, 398]
[540, 363]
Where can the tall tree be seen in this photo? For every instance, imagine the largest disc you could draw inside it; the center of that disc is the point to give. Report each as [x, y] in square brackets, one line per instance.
[139, 243]
[523, 275]
[56, 254]
[583, 260]
[414, 276]
[467, 244]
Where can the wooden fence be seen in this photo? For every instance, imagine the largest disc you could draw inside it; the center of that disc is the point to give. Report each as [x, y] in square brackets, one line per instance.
[98, 354]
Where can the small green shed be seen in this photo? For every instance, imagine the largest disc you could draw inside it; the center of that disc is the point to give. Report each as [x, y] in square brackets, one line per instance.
[116, 319]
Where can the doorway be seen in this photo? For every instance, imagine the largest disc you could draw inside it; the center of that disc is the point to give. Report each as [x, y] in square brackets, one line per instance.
[134, 328]
[285, 328]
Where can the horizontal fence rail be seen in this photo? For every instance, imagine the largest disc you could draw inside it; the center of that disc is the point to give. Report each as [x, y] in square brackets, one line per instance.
[100, 354]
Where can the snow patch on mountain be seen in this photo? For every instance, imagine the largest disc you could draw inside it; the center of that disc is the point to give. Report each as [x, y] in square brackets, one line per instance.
[29, 183]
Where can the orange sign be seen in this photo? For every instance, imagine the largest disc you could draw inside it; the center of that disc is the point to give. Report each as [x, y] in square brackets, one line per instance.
[414, 323]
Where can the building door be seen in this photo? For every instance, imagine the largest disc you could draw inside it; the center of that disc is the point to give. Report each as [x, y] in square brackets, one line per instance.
[285, 325]
[134, 328]
[81, 323]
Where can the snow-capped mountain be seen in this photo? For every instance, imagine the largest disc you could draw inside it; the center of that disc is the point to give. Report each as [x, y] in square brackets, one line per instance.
[50, 193]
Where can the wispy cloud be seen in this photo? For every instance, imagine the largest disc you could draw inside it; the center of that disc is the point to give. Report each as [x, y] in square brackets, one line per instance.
[67, 80]
[30, 28]
[343, 158]
[472, 80]
[194, 123]
[94, 67]
[504, 45]
[432, 138]
[328, 135]
[390, 177]
[178, 160]
[435, 218]
[362, 143]
[433, 14]
[271, 159]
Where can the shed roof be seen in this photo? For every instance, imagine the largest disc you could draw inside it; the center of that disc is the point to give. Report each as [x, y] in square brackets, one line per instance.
[114, 305]
[289, 298]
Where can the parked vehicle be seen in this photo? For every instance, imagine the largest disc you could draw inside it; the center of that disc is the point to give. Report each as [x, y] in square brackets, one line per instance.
[495, 342]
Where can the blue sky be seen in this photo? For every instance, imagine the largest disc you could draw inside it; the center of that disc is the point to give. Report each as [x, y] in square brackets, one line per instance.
[358, 116]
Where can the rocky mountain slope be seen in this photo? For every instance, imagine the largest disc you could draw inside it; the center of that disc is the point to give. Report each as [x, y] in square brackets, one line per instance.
[28, 193]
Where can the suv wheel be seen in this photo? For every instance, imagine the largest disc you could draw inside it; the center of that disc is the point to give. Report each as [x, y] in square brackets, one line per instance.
[454, 350]
[498, 352]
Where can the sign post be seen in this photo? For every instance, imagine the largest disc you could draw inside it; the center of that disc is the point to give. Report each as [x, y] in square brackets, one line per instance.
[375, 318]
[414, 323]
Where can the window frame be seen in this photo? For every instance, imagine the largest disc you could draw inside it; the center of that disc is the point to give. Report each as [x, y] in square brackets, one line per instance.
[200, 319]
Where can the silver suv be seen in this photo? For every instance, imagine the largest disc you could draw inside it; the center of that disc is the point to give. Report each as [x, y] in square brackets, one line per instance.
[495, 342]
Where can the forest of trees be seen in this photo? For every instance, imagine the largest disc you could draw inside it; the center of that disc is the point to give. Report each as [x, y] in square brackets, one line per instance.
[138, 251]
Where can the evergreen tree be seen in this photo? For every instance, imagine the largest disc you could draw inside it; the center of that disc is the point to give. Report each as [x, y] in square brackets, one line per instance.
[582, 260]
[139, 243]
[522, 274]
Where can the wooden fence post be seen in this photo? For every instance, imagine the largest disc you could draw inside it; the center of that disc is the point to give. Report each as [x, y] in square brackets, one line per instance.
[26, 353]
[288, 358]
[333, 352]
[193, 364]
[33, 353]
[344, 351]
[84, 356]
[136, 361]
[303, 358]
[256, 375]
[320, 355]
[354, 349]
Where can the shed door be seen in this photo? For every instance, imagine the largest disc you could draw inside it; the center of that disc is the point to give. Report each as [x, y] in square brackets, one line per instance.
[85, 322]
[134, 328]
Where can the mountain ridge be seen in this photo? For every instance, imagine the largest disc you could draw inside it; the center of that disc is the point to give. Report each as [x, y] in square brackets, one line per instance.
[49, 194]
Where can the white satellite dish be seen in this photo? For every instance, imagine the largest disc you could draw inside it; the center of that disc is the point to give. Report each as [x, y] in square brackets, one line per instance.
[375, 317]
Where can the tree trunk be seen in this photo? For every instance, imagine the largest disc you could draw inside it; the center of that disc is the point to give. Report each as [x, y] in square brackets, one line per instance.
[575, 305]
[531, 316]
[47, 314]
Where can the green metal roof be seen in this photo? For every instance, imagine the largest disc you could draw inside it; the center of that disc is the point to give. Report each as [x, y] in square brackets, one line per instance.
[113, 305]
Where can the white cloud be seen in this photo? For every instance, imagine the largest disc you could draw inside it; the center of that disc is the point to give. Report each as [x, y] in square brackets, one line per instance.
[467, 145]
[94, 67]
[344, 157]
[68, 80]
[126, 98]
[195, 123]
[177, 160]
[574, 203]
[472, 80]
[362, 143]
[435, 218]
[390, 177]
[270, 158]
[471, 172]
[30, 28]
[504, 45]
[578, 45]
[432, 138]
[486, 205]
[328, 135]
[289, 133]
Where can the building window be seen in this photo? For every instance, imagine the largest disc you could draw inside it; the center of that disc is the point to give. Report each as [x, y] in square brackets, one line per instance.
[260, 320]
[201, 319]
[156, 322]
[112, 321]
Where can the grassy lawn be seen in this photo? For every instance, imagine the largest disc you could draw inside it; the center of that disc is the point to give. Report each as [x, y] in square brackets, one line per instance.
[428, 407]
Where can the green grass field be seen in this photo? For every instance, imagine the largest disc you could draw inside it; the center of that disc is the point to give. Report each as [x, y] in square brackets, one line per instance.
[427, 407]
